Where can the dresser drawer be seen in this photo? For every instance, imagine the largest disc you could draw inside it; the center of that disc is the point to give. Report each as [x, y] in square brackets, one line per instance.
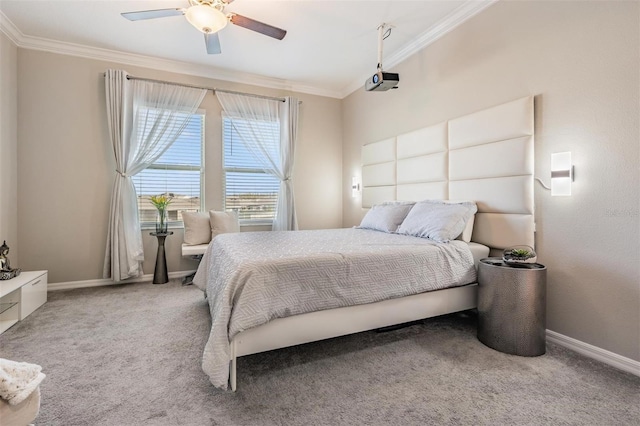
[34, 295]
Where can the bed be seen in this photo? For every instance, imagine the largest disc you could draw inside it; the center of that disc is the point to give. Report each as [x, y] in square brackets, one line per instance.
[270, 290]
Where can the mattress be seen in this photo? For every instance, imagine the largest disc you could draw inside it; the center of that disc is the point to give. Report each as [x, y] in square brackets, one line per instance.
[254, 277]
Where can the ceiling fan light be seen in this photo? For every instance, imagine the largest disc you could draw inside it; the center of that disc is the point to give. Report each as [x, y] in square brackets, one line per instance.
[205, 18]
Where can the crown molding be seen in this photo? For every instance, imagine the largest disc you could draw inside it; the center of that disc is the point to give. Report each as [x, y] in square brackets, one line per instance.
[457, 17]
[448, 23]
[96, 53]
[10, 30]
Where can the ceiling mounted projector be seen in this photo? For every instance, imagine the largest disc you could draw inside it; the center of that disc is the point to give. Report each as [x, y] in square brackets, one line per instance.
[381, 80]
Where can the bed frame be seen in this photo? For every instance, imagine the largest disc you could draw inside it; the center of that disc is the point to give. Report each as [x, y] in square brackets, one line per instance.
[486, 157]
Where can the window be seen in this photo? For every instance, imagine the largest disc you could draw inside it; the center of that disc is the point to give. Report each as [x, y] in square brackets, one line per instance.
[248, 189]
[178, 172]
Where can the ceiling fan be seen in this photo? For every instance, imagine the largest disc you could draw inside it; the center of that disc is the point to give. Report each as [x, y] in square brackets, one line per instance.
[208, 16]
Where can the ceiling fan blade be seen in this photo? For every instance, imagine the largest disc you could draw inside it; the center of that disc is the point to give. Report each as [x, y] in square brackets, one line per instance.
[152, 14]
[213, 43]
[257, 26]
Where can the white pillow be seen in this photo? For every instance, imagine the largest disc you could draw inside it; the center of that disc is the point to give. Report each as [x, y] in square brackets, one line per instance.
[223, 222]
[197, 229]
[437, 220]
[468, 229]
[386, 217]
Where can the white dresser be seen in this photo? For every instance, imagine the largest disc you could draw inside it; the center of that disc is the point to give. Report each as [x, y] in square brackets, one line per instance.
[20, 296]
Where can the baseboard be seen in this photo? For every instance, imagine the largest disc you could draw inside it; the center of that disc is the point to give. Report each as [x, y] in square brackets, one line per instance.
[100, 282]
[618, 361]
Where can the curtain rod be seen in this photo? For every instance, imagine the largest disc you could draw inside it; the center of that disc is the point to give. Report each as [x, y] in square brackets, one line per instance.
[213, 90]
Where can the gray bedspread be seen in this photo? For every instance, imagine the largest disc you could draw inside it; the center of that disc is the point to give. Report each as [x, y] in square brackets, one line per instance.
[251, 278]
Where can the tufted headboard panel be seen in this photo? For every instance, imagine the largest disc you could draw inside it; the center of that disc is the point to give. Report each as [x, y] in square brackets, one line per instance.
[379, 171]
[486, 157]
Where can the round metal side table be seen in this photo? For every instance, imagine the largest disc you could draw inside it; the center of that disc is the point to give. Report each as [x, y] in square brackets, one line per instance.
[512, 306]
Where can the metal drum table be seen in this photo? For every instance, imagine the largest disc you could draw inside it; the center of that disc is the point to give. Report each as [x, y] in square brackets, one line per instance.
[512, 306]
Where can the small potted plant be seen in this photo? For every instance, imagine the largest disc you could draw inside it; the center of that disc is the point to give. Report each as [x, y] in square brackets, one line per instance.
[519, 254]
[161, 202]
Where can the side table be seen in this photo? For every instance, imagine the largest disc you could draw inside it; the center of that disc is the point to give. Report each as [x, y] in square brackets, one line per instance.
[160, 275]
[512, 306]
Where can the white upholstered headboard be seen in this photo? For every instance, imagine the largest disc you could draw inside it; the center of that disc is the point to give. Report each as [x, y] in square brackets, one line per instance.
[486, 157]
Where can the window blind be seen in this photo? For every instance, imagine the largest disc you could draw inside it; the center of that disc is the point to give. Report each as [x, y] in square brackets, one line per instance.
[178, 172]
[248, 189]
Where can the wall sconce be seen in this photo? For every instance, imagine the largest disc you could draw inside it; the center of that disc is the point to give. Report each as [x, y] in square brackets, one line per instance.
[355, 186]
[561, 173]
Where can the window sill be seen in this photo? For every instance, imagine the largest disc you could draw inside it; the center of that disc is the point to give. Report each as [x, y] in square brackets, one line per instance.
[180, 225]
[252, 223]
[152, 226]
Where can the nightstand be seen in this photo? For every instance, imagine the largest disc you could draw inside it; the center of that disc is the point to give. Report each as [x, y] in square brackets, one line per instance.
[512, 306]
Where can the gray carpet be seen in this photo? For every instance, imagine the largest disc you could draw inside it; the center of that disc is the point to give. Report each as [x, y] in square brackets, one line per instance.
[130, 355]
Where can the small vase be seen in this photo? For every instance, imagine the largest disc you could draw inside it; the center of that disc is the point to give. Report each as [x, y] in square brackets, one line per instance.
[161, 222]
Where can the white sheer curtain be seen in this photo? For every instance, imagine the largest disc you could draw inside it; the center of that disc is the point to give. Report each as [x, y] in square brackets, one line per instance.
[144, 119]
[258, 115]
[288, 137]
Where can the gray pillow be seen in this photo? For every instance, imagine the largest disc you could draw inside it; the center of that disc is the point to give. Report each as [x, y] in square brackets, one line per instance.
[223, 222]
[437, 220]
[196, 228]
[386, 217]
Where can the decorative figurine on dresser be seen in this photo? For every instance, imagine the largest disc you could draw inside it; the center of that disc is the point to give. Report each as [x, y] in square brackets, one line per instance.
[6, 273]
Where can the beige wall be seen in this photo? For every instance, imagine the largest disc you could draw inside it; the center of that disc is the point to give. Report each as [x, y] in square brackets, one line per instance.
[9, 147]
[581, 60]
[66, 166]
